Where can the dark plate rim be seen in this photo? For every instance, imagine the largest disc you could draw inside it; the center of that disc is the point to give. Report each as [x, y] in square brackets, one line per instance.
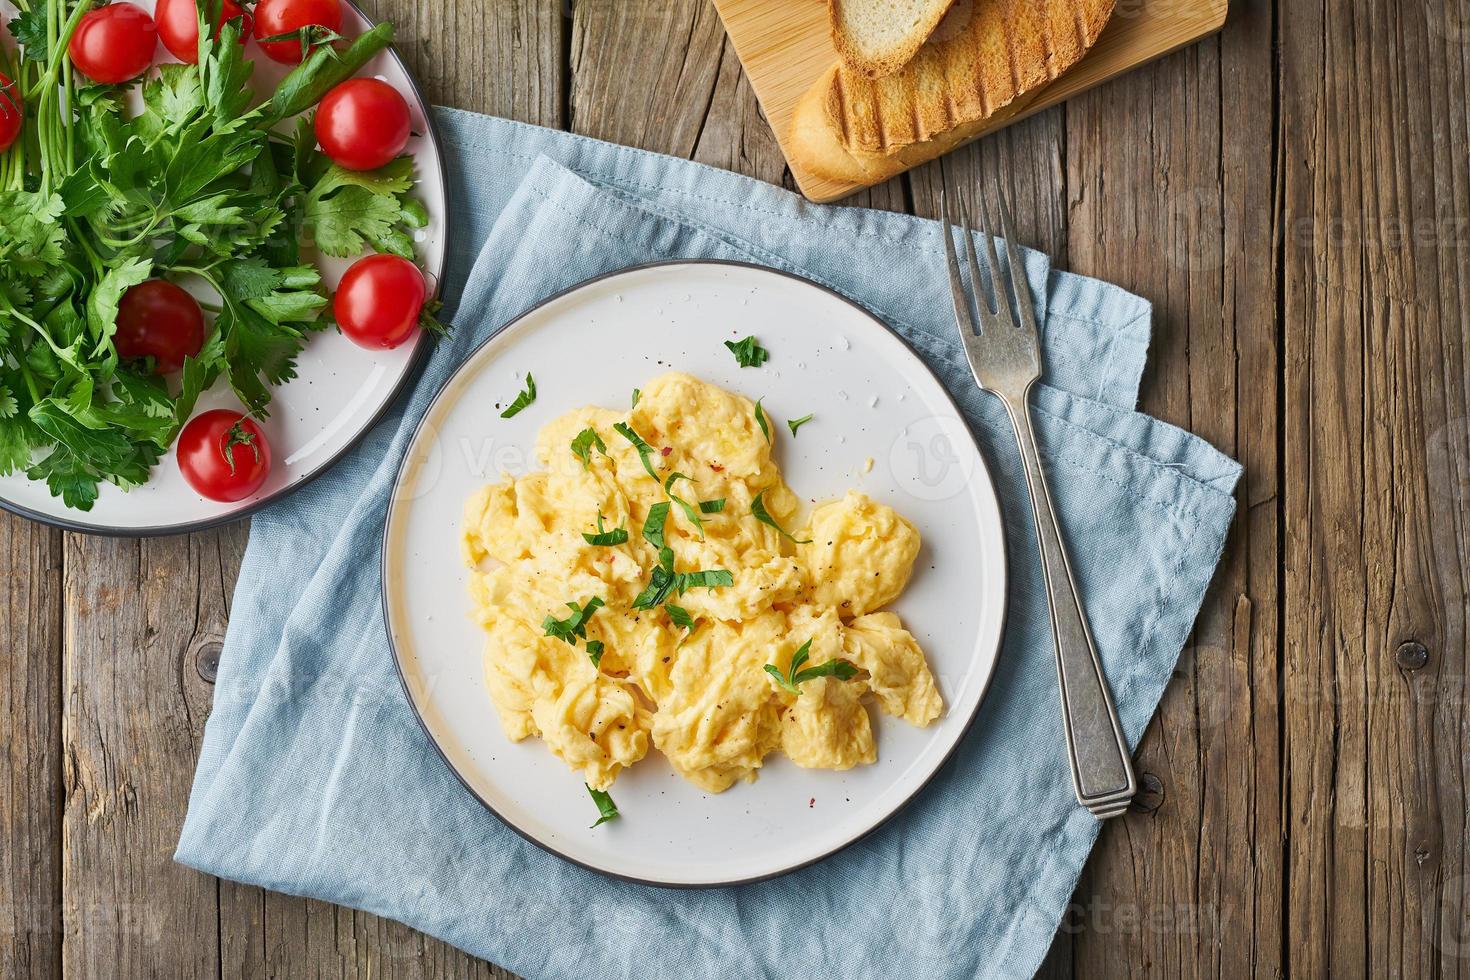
[415, 365]
[398, 658]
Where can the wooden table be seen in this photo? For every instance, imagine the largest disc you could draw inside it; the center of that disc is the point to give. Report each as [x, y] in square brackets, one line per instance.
[1293, 196]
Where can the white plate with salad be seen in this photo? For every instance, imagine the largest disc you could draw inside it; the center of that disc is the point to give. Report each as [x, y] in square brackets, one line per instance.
[174, 252]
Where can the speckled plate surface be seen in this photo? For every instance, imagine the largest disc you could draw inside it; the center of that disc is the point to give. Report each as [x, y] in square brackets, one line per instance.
[873, 400]
[340, 389]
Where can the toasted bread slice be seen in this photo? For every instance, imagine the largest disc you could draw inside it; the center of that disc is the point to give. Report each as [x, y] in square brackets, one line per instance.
[877, 37]
[852, 128]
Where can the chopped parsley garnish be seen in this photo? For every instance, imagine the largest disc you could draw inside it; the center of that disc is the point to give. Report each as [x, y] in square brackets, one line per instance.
[794, 424]
[747, 352]
[758, 508]
[645, 451]
[607, 809]
[760, 420]
[690, 511]
[843, 670]
[575, 625]
[711, 506]
[653, 530]
[525, 398]
[605, 538]
[637, 394]
[712, 578]
[660, 583]
[594, 651]
[680, 616]
[584, 442]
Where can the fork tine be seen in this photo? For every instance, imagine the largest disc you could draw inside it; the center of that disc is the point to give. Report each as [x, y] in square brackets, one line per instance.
[1000, 311]
[1018, 266]
[961, 302]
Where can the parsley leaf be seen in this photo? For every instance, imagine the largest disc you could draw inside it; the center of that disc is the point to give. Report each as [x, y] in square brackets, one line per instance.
[758, 509]
[348, 210]
[575, 625]
[645, 451]
[843, 670]
[690, 511]
[748, 353]
[709, 579]
[794, 424]
[604, 538]
[637, 394]
[711, 506]
[525, 398]
[583, 443]
[594, 652]
[681, 618]
[660, 583]
[760, 420]
[606, 808]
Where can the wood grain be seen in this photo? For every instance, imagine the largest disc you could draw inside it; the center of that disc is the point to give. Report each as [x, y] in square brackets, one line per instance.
[1374, 293]
[1294, 197]
[30, 766]
[785, 45]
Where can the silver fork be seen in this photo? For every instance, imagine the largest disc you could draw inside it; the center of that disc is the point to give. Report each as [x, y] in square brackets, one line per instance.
[1005, 357]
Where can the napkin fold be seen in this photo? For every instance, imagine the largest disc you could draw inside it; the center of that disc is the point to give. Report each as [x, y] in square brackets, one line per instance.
[315, 778]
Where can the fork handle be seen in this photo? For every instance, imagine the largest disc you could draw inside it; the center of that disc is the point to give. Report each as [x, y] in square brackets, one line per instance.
[1102, 772]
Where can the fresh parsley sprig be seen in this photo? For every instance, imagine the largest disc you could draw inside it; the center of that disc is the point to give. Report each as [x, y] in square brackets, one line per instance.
[791, 681]
[794, 424]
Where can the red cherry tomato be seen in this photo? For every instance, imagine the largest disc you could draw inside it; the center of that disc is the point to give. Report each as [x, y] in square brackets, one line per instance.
[379, 300]
[114, 43]
[275, 17]
[178, 26]
[11, 112]
[363, 124]
[224, 455]
[159, 320]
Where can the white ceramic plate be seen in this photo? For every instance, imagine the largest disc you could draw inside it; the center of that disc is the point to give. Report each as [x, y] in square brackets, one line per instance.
[872, 397]
[339, 392]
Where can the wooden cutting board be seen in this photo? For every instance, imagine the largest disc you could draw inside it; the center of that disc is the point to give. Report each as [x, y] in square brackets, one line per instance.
[785, 46]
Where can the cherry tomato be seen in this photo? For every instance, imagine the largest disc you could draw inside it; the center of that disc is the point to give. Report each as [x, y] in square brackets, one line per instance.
[275, 17]
[379, 300]
[11, 112]
[114, 43]
[363, 124]
[159, 320]
[178, 26]
[224, 455]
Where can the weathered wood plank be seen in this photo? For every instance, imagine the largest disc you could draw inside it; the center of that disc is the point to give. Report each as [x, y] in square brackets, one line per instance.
[136, 616]
[30, 765]
[1374, 201]
[1170, 188]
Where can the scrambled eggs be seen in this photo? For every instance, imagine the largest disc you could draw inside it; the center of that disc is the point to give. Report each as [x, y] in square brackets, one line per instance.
[635, 591]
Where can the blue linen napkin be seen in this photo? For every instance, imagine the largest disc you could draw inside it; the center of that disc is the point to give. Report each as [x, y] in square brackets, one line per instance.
[315, 778]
